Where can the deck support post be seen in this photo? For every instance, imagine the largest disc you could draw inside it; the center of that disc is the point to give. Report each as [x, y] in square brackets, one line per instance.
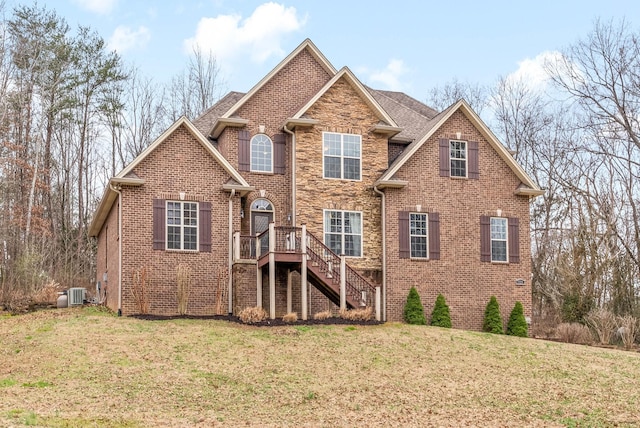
[272, 271]
[259, 288]
[303, 275]
[378, 317]
[343, 283]
[289, 296]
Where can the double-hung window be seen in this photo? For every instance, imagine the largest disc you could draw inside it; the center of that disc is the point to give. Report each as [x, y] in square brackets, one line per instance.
[343, 232]
[261, 154]
[342, 155]
[182, 225]
[418, 235]
[458, 158]
[498, 239]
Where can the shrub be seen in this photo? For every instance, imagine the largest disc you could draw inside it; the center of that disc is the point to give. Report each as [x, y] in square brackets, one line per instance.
[603, 323]
[322, 315]
[627, 326]
[440, 317]
[413, 309]
[364, 314]
[574, 333]
[492, 319]
[252, 315]
[290, 317]
[517, 325]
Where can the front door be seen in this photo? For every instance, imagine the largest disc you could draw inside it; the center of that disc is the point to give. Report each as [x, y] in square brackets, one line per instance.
[261, 216]
[260, 221]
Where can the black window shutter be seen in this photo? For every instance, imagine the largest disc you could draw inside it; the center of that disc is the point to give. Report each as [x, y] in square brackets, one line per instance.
[159, 220]
[514, 240]
[444, 155]
[204, 226]
[485, 238]
[434, 236]
[244, 151]
[403, 234]
[474, 169]
[279, 159]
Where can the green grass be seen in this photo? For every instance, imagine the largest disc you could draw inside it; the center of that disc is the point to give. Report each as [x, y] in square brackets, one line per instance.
[94, 369]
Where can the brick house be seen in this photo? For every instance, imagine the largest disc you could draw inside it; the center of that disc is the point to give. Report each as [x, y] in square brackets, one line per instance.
[313, 192]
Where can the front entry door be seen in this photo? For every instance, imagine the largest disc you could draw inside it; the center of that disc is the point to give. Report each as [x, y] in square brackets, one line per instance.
[259, 223]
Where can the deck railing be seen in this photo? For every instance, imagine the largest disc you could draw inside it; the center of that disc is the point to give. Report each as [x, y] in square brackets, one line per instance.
[289, 239]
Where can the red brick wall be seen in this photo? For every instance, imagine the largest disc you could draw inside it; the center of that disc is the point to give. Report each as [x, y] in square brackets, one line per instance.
[107, 258]
[179, 164]
[466, 283]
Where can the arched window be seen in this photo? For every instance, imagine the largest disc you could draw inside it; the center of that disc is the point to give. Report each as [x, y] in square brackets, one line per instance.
[261, 154]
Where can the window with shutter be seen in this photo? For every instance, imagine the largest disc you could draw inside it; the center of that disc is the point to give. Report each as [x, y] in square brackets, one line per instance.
[261, 154]
[279, 153]
[514, 240]
[434, 236]
[204, 227]
[159, 224]
[404, 250]
[244, 151]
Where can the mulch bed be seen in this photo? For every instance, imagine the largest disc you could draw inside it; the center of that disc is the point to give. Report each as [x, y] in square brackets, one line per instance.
[278, 322]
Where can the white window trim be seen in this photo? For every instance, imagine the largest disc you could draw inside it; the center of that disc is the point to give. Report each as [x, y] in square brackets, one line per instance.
[251, 155]
[505, 240]
[466, 159]
[182, 226]
[342, 157]
[426, 236]
[361, 234]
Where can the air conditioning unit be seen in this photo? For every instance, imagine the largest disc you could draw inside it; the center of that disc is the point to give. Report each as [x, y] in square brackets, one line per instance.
[76, 296]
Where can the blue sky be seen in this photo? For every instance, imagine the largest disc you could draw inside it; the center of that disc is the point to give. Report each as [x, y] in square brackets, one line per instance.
[410, 46]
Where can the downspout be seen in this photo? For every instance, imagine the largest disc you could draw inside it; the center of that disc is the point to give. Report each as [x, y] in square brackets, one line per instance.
[383, 217]
[117, 189]
[293, 174]
[230, 293]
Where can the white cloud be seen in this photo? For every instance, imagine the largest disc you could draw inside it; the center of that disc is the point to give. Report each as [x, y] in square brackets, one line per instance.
[259, 34]
[125, 38]
[101, 7]
[391, 75]
[532, 72]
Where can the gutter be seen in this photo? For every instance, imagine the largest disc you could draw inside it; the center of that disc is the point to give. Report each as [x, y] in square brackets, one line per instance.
[118, 189]
[383, 216]
[293, 174]
[230, 275]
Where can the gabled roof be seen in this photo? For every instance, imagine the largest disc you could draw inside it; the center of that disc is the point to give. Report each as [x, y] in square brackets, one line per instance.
[306, 44]
[528, 187]
[126, 177]
[360, 89]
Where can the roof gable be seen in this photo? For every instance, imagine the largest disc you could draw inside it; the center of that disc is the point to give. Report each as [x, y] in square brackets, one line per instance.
[183, 121]
[127, 177]
[530, 187]
[308, 45]
[346, 74]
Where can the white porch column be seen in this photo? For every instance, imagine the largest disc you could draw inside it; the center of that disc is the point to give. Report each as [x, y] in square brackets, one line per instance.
[343, 283]
[236, 246]
[272, 271]
[378, 304]
[303, 275]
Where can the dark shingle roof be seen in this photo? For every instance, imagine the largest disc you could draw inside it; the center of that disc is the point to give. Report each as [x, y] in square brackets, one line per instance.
[205, 121]
[410, 114]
